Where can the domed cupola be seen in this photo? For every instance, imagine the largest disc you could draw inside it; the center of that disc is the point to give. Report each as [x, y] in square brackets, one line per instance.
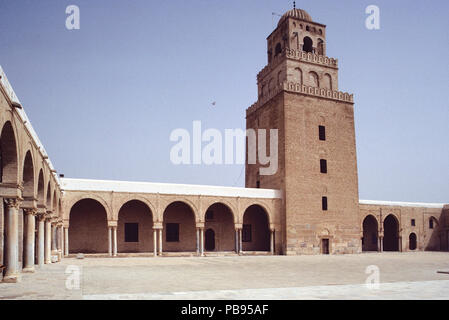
[296, 14]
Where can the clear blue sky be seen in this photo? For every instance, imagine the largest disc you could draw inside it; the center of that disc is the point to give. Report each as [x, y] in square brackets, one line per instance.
[104, 99]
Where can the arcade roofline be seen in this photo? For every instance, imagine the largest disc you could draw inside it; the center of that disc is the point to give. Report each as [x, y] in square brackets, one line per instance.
[69, 184]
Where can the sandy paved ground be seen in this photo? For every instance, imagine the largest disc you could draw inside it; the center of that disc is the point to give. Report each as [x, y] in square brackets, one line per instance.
[402, 275]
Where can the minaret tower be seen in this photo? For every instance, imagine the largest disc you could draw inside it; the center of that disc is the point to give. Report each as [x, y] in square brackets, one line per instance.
[317, 165]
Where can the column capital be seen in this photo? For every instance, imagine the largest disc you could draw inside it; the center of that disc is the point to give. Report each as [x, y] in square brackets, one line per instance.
[13, 202]
[112, 223]
[30, 211]
[158, 225]
[238, 226]
[200, 225]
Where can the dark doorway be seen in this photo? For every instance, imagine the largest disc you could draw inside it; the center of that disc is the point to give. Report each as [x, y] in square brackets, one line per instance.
[325, 246]
[391, 234]
[369, 241]
[210, 240]
[412, 241]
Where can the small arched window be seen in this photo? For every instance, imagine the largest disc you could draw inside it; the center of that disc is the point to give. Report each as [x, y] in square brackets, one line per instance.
[278, 49]
[298, 76]
[320, 47]
[327, 81]
[313, 79]
[308, 44]
[280, 77]
[412, 241]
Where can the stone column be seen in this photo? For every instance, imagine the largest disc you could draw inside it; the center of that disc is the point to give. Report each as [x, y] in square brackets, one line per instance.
[272, 242]
[198, 241]
[53, 238]
[29, 240]
[160, 242]
[114, 241]
[110, 241]
[11, 250]
[236, 246]
[41, 241]
[48, 241]
[66, 242]
[61, 242]
[202, 242]
[381, 244]
[155, 242]
[240, 242]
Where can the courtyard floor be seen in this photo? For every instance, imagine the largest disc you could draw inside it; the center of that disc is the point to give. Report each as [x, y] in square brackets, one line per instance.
[402, 276]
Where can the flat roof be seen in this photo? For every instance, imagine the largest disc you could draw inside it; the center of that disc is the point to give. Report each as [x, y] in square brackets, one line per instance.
[69, 184]
[403, 204]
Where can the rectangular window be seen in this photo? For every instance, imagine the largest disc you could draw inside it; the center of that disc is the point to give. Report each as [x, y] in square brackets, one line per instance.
[246, 233]
[413, 222]
[172, 232]
[324, 203]
[322, 132]
[323, 166]
[131, 232]
[257, 184]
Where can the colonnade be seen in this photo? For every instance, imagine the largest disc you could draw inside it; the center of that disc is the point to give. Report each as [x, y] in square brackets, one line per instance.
[49, 246]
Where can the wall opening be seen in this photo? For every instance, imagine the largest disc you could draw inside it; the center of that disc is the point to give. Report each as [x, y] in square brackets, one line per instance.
[370, 234]
[257, 218]
[88, 229]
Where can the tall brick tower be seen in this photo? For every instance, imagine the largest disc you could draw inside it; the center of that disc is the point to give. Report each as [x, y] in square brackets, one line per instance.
[298, 95]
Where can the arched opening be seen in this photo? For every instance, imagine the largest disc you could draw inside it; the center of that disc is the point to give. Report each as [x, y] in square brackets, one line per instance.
[28, 176]
[313, 79]
[298, 76]
[8, 155]
[179, 233]
[370, 234]
[209, 243]
[135, 227]
[327, 81]
[307, 44]
[391, 234]
[220, 218]
[256, 229]
[412, 241]
[48, 201]
[320, 47]
[40, 189]
[88, 228]
[278, 49]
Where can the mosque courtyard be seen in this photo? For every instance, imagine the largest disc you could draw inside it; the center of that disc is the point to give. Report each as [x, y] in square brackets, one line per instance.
[410, 275]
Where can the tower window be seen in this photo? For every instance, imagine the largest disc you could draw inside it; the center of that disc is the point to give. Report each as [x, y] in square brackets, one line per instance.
[324, 203]
[246, 233]
[413, 222]
[430, 223]
[278, 49]
[323, 166]
[308, 44]
[322, 133]
[131, 232]
[172, 232]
